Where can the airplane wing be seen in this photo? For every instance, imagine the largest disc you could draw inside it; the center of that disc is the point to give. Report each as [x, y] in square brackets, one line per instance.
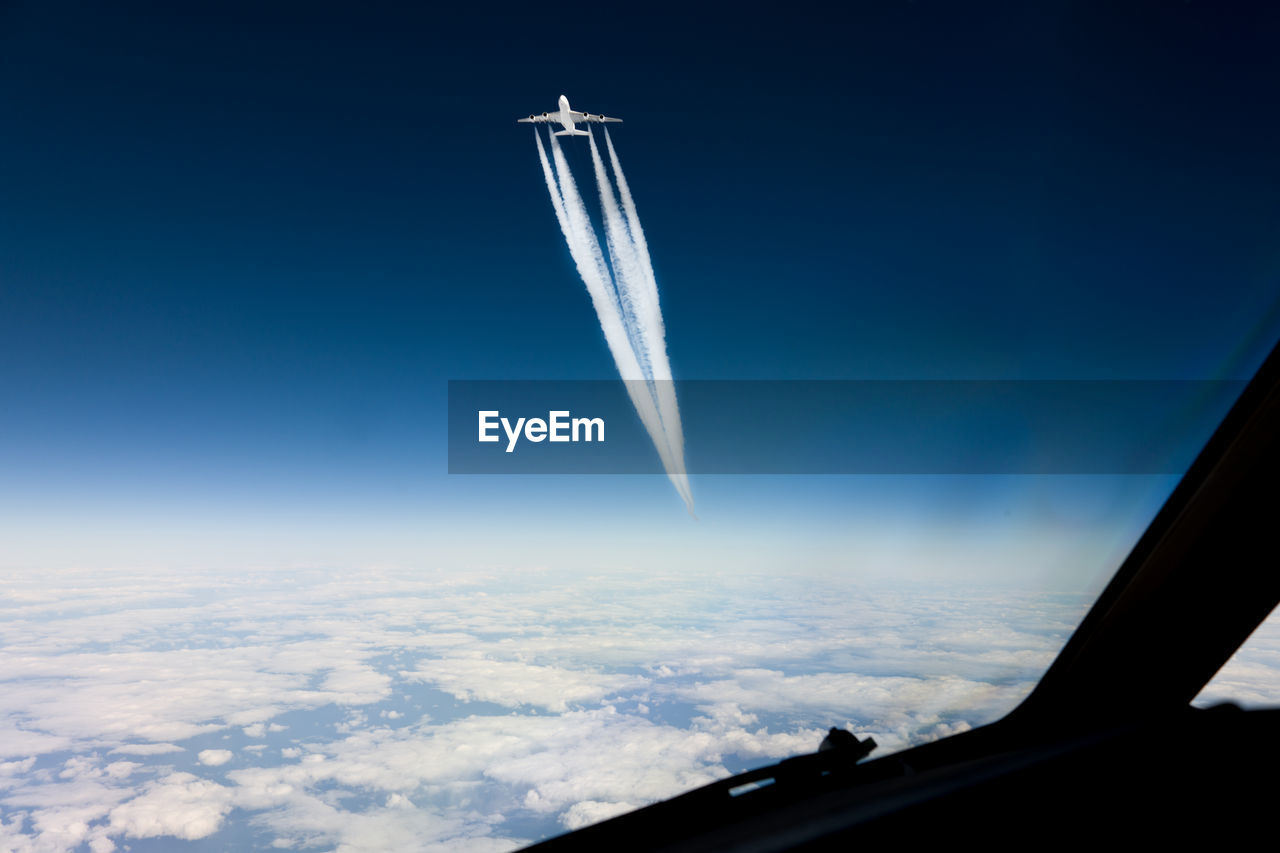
[558, 118]
[543, 117]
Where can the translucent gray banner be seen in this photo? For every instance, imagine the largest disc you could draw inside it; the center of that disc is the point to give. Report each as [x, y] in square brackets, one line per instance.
[841, 427]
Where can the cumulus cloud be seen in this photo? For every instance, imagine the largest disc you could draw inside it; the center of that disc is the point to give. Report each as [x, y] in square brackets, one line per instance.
[214, 757]
[895, 710]
[13, 768]
[179, 805]
[587, 812]
[515, 683]
[63, 806]
[16, 741]
[423, 711]
[478, 767]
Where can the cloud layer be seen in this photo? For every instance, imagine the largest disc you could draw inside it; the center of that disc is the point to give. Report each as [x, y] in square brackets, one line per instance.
[429, 710]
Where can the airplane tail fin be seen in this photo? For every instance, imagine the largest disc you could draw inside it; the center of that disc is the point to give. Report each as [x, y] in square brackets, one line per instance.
[572, 133]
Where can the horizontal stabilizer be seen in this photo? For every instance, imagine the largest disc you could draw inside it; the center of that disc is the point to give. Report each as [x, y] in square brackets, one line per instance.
[571, 133]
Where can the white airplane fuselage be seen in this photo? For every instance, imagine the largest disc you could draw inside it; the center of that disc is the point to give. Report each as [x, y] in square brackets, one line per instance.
[569, 120]
[566, 114]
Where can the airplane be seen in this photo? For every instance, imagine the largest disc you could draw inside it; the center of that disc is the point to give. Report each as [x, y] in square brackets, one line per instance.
[567, 117]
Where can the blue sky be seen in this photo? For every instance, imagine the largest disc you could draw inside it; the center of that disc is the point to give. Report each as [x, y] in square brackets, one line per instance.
[243, 248]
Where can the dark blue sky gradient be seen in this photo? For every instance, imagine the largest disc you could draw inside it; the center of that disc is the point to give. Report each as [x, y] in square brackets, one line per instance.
[243, 246]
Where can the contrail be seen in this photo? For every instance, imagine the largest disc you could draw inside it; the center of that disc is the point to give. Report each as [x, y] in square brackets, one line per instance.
[638, 295]
[651, 321]
[622, 258]
[614, 318]
[654, 315]
[590, 263]
[585, 250]
[624, 293]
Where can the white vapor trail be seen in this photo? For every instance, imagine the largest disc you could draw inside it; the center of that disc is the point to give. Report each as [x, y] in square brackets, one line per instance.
[625, 295]
[651, 318]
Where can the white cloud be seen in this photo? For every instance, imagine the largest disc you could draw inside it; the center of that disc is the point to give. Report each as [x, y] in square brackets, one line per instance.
[893, 709]
[121, 769]
[17, 742]
[214, 757]
[626, 687]
[13, 768]
[67, 804]
[497, 765]
[587, 812]
[179, 805]
[515, 683]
